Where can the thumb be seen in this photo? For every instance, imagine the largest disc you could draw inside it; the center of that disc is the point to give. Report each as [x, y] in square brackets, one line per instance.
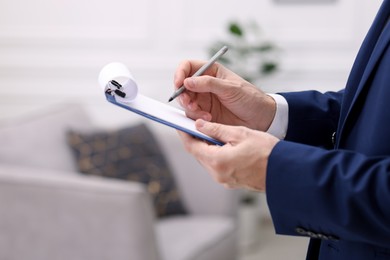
[224, 133]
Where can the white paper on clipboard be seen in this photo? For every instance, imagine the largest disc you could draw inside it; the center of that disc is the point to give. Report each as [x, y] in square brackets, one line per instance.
[145, 106]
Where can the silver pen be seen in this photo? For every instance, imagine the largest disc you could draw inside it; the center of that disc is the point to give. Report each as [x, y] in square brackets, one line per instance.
[200, 71]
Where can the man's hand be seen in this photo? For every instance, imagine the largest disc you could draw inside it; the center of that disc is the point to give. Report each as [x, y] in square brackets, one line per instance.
[222, 96]
[241, 162]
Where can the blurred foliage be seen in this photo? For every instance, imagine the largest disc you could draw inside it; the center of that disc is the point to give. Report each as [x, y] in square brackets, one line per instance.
[250, 55]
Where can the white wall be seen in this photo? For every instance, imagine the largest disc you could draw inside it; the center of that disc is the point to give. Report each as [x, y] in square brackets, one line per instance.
[52, 51]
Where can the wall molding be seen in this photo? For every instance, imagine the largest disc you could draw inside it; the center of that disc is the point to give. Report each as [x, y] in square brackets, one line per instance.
[55, 53]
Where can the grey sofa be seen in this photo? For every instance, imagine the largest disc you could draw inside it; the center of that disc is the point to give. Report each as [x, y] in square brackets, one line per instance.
[50, 211]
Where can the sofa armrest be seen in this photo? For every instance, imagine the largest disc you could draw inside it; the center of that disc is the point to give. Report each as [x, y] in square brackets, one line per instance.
[48, 215]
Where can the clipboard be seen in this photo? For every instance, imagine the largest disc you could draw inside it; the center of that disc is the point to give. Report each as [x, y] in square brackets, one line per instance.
[126, 96]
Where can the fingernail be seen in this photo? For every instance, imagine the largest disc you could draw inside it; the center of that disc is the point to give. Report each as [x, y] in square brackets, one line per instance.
[200, 123]
[207, 117]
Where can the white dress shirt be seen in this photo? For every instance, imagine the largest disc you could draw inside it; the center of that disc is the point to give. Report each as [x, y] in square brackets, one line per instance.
[278, 127]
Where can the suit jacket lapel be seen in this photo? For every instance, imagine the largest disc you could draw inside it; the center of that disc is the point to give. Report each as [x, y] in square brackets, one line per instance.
[372, 49]
[376, 54]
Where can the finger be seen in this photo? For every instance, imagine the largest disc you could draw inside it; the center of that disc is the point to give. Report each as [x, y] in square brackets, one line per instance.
[192, 109]
[203, 152]
[199, 114]
[188, 68]
[209, 84]
[186, 100]
[186, 138]
[194, 145]
[224, 133]
[181, 73]
[183, 99]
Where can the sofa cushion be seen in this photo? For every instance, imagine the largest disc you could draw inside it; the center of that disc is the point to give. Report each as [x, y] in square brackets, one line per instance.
[132, 154]
[39, 140]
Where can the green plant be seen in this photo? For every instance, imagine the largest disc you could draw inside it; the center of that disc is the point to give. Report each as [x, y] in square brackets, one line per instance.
[250, 54]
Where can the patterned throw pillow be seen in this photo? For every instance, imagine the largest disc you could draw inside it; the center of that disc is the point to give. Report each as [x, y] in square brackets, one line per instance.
[129, 154]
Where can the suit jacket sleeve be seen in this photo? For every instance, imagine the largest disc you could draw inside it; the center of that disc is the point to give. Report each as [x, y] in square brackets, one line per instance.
[337, 193]
[313, 117]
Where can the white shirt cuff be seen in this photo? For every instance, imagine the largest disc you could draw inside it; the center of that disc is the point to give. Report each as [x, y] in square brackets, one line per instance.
[278, 127]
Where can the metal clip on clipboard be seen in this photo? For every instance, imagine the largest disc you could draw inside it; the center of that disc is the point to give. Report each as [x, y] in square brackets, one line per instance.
[114, 87]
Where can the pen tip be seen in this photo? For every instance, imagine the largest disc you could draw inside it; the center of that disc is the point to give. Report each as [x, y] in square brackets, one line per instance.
[170, 99]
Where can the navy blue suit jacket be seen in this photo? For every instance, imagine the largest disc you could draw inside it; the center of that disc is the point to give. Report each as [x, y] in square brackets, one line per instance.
[330, 178]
